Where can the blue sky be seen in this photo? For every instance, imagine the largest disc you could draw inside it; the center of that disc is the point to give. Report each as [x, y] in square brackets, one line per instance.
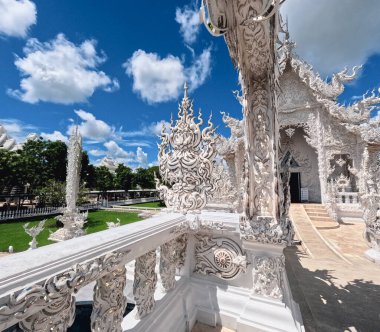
[116, 68]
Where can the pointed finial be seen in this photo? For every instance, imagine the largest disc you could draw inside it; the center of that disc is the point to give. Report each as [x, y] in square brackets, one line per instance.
[185, 88]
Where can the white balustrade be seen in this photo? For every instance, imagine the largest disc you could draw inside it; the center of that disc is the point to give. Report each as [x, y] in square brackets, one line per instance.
[347, 198]
[38, 287]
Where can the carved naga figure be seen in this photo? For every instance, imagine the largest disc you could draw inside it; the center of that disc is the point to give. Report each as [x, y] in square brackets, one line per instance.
[186, 159]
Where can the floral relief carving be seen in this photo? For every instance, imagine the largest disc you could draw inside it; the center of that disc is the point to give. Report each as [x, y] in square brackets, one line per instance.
[219, 256]
[267, 276]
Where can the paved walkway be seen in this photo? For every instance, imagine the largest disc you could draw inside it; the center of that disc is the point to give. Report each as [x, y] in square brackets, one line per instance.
[337, 288]
[205, 328]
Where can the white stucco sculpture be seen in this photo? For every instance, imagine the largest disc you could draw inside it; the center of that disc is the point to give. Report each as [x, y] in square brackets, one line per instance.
[73, 221]
[186, 159]
[34, 231]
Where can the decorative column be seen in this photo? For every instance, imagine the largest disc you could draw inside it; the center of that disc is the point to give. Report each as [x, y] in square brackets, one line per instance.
[250, 29]
[144, 284]
[109, 301]
[168, 260]
[371, 203]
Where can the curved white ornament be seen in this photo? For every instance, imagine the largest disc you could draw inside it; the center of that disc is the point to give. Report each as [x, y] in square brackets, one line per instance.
[186, 160]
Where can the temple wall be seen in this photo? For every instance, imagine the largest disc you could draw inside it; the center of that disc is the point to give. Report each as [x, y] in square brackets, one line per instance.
[306, 158]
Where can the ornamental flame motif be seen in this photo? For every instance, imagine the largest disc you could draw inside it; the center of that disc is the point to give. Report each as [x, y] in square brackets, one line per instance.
[186, 158]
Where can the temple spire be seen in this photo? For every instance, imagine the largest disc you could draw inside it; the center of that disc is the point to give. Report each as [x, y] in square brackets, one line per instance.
[185, 90]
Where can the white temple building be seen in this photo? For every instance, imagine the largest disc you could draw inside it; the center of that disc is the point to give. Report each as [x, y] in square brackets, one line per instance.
[109, 163]
[216, 255]
[324, 142]
[9, 143]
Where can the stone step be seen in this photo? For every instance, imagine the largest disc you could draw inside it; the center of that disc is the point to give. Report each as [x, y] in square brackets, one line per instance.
[319, 218]
[313, 205]
[317, 214]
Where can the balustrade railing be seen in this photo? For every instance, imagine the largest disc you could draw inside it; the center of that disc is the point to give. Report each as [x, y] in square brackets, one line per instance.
[348, 198]
[38, 287]
[43, 211]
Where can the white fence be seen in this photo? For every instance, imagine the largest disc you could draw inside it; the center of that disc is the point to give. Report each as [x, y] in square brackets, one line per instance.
[44, 211]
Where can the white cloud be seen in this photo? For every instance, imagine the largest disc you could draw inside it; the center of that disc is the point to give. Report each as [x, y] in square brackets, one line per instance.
[141, 157]
[61, 72]
[188, 19]
[91, 127]
[334, 34]
[116, 152]
[119, 155]
[54, 136]
[153, 129]
[197, 73]
[97, 152]
[16, 17]
[159, 80]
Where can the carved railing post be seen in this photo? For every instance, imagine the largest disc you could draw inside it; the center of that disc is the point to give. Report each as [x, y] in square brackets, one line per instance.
[109, 302]
[57, 317]
[168, 259]
[144, 284]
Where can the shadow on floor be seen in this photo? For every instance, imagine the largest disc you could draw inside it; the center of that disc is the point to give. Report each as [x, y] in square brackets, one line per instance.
[328, 306]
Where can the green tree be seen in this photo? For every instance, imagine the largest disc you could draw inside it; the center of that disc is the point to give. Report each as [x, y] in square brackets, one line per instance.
[124, 177]
[10, 170]
[55, 155]
[34, 164]
[104, 179]
[53, 194]
[144, 178]
[87, 172]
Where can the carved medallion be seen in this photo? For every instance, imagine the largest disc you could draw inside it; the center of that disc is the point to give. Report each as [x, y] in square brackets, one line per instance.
[221, 257]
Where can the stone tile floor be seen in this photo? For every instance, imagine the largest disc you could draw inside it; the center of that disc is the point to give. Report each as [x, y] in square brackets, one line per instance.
[337, 288]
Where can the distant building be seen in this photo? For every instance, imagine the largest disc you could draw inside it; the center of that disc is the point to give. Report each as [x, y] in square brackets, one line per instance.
[9, 143]
[109, 163]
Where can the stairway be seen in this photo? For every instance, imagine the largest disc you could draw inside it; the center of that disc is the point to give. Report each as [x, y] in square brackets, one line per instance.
[319, 216]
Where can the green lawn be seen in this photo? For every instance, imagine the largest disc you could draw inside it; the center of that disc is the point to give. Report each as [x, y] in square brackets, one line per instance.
[12, 233]
[149, 204]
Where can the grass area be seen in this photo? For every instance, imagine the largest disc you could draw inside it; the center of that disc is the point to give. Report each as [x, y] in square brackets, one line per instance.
[12, 233]
[149, 204]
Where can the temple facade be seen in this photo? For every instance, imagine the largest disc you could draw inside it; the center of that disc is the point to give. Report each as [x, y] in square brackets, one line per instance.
[332, 150]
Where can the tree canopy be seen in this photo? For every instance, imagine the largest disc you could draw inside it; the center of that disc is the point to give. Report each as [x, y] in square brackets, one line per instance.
[42, 163]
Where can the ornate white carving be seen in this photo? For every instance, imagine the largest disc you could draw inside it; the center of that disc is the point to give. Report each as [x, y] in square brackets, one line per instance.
[111, 224]
[54, 297]
[109, 301]
[267, 230]
[224, 192]
[341, 162]
[33, 232]
[290, 132]
[267, 276]
[220, 257]
[371, 218]
[56, 317]
[168, 260]
[186, 157]
[144, 284]
[342, 182]
[72, 220]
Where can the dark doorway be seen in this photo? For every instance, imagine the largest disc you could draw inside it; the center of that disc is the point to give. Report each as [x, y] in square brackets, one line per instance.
[295, 187]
